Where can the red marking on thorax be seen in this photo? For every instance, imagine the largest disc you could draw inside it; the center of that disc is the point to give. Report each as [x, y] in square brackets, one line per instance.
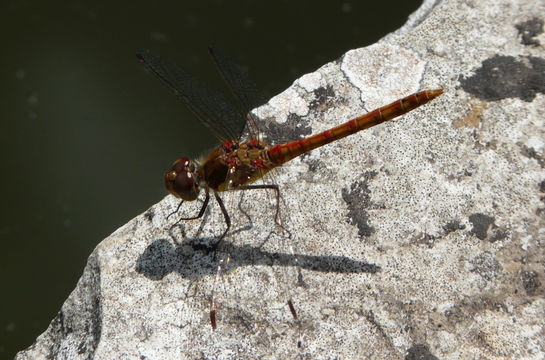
[227, 143]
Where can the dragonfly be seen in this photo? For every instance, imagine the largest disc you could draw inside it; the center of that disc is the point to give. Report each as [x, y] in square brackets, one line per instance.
[242, 156]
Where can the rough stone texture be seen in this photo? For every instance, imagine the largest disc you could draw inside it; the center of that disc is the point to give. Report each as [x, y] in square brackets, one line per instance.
[422, 238]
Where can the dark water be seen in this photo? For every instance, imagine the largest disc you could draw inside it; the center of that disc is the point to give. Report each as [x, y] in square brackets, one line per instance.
[86, 133]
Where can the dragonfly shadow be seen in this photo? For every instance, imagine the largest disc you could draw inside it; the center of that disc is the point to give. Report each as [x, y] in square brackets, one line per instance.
[193, 259]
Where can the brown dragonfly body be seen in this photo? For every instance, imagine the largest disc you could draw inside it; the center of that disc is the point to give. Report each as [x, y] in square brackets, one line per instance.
[237, 164]
[233, 164]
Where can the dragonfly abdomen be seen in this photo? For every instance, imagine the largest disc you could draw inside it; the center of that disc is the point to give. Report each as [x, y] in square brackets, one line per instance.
[282, 153]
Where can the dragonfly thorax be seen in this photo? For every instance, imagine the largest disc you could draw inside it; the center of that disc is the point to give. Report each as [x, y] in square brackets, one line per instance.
[182, 180]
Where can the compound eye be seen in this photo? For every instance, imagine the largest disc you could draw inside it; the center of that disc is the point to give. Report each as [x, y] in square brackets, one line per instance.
[191, 166]
[181, 180]
[170, 175]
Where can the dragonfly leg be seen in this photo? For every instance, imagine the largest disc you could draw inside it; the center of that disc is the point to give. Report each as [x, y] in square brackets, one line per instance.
[276, 220]
[175, 211]
[277, 191]
[227, 220]
[201, 212]
[267, 186]
[292, 309]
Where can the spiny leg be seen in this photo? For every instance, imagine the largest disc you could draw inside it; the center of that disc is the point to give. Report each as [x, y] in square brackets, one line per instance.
[201, 211]
[227, 221]
[214, 303]
[292, 309]
[276, 220]
[266, 186]
[177, 209]
[276, 189]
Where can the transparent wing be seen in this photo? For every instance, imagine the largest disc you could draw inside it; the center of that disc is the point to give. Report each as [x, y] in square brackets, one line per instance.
[224, 119]
[243, 88]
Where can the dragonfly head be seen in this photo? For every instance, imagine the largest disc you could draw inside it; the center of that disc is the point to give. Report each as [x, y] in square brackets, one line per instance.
[182, 180]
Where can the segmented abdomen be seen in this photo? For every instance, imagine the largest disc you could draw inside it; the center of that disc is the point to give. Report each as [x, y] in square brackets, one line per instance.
[282, 153]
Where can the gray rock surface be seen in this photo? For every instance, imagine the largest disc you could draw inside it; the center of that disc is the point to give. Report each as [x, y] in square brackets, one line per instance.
[422, 238]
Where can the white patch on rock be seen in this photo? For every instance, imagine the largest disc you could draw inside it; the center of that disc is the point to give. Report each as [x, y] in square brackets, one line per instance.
[383, 73]
[311, 82]
[535, 143]
[280, 106]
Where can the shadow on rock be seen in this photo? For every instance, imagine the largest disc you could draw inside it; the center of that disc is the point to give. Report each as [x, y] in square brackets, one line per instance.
[194, 260]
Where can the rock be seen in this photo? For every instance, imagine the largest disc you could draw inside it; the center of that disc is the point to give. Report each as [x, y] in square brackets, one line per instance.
[419, 238]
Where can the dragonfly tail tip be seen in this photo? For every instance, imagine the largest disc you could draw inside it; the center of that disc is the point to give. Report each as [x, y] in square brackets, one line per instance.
[432, 94]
